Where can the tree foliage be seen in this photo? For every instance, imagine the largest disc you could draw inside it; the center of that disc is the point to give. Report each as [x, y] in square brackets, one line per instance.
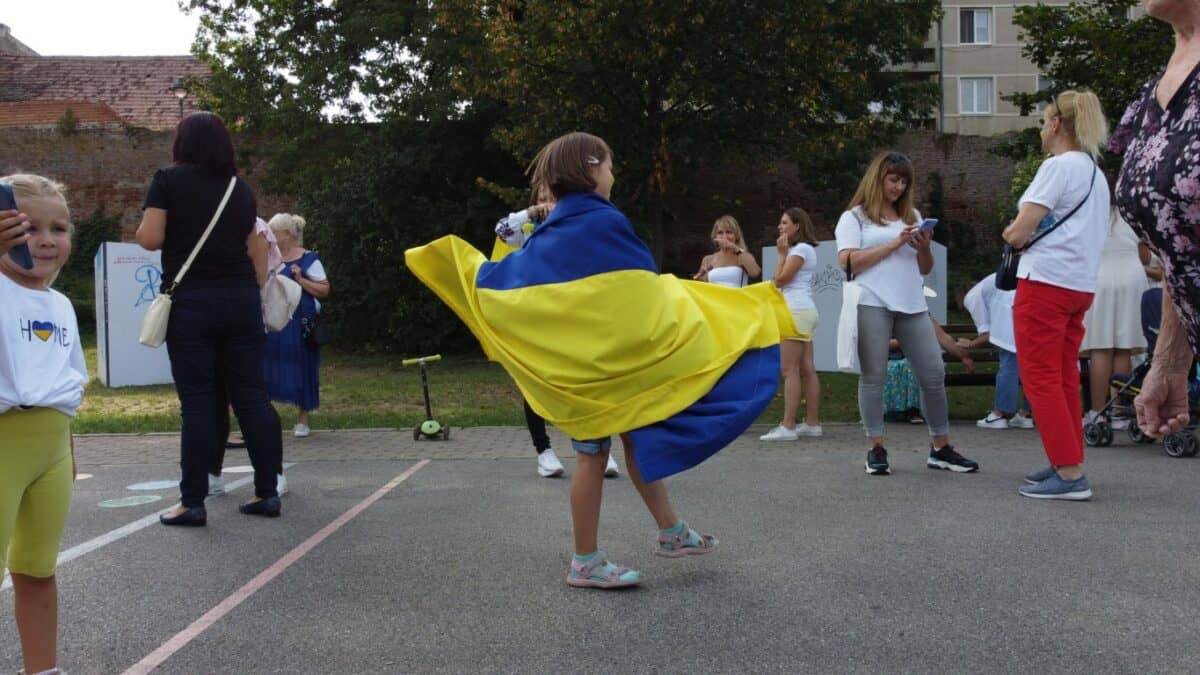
[1091, 45]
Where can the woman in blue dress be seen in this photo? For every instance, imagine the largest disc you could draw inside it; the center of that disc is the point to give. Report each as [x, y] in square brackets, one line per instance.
[291, 366]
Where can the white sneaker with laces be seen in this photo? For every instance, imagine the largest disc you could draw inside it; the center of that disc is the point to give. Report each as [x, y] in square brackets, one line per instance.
[301, 431]
[780, 433]
[814, 431]
[548, 465]
[611, 470]
[281, 485]
[1019, 421]
[993, 421]
[216, 485]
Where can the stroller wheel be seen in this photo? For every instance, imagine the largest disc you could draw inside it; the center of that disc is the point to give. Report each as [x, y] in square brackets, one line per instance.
[1176, 444]
[1191, 445]
[1093, 434]
[1107, 438]
[1135, 433]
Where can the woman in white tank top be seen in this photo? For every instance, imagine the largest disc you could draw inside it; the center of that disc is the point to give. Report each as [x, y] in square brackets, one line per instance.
[732, 265]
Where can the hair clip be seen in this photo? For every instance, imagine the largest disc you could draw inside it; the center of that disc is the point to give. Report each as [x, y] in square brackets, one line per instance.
[592, 160]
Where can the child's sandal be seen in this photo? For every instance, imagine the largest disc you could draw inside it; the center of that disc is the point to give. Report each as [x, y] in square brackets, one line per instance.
[688, 542]
[599, 573]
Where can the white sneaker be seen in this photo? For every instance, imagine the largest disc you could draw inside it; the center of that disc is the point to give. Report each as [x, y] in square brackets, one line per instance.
[301, 431]
[992, 421]
[281, 485]
[1120, 423]
[611, 471]
[548, 465]
[1091, 416]
[1019, 421]
[814, 431]
[216, 485]
[780, 433]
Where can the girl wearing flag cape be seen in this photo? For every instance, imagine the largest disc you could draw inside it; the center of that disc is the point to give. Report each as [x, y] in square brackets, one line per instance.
[601, 344]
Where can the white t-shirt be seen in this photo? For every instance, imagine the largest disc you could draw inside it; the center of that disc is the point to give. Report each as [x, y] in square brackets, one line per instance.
[992, 311]
[798, 292]
[1068, 257]
[41, 360]
[895, 282]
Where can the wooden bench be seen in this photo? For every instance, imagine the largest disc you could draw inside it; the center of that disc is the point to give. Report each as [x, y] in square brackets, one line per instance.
[980, 355]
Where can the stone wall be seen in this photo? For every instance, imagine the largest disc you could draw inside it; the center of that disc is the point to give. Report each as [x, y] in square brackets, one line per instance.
[105, 168]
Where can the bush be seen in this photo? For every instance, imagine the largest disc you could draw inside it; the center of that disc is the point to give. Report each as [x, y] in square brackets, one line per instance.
[405, 184]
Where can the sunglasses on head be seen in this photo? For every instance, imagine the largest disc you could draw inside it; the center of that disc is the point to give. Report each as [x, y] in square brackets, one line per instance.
[898, 158]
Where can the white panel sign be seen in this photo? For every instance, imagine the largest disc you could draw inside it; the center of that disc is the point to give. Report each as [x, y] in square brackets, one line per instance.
[127, 279]
[827, 293]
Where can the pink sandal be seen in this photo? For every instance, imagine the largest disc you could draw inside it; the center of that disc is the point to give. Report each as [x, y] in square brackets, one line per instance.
[687, 542]
[599, 573]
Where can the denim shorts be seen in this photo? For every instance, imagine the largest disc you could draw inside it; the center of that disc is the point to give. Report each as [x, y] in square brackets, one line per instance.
[592, 447]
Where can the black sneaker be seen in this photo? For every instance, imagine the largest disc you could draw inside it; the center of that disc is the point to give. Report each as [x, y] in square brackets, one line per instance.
[877, 464]
[948, 459]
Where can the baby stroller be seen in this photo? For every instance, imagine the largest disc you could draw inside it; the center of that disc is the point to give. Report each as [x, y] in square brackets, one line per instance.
[1182, 443]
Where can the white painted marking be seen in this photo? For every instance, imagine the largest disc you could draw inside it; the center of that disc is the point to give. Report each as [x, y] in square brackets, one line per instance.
[181, 639]
[237, 469]
[83, 476]
[154, 485]
[120, 533]
[136, 500]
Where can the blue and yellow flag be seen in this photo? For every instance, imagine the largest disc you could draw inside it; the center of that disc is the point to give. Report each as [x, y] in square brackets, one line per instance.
[600, 343]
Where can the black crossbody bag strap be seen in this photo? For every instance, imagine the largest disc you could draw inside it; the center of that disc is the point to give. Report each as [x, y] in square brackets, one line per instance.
[1035, 239]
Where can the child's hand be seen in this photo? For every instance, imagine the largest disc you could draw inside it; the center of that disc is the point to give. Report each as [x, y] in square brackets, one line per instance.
[14, 227]
[964, 343]
[968, 364]
[538, 212]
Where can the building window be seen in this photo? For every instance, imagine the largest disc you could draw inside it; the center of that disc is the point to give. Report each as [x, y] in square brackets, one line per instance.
[1045, 89]
[975, 26]
[975, 95]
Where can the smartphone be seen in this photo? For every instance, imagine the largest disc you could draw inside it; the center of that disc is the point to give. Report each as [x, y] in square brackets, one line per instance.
[19, 254]
[928, 224]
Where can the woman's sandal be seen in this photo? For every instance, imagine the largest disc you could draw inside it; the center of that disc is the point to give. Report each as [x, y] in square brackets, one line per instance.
[687, 542]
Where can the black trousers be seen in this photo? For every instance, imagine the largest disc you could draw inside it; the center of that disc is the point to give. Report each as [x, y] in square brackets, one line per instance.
[215, 341]
[537, 429]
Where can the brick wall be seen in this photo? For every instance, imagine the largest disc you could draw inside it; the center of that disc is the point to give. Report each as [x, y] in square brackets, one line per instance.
[106, 168]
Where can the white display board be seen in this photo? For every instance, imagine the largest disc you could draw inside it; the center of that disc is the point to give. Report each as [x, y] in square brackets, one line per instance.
[127, 279]
[827, 293]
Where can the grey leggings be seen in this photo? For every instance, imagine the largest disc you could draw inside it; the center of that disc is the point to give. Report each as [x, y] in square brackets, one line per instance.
[876, 325]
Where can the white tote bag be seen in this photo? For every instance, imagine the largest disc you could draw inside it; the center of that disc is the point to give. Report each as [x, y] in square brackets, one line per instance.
[154, 324]
[847, 335]
[280, 298]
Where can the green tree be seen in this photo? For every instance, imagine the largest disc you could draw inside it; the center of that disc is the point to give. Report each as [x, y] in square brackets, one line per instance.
[694, 81]
[1090, 45]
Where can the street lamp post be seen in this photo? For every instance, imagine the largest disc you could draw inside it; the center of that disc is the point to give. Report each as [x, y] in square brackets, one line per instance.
[180, 90]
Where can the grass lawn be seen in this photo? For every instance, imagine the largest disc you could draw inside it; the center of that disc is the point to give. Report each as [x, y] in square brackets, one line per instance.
[364, 391]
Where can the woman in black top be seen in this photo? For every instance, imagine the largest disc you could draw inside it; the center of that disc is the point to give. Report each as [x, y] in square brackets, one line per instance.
[215, 334]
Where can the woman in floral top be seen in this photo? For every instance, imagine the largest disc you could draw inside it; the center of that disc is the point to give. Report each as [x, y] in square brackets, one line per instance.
[1159, 195]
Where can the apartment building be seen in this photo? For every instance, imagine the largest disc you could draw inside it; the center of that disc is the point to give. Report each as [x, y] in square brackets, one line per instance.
[977, 54]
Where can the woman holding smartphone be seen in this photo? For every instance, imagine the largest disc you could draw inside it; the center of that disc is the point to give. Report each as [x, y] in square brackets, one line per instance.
[882, 246]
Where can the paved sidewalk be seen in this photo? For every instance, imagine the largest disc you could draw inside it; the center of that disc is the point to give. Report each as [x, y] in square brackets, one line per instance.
[513, 443]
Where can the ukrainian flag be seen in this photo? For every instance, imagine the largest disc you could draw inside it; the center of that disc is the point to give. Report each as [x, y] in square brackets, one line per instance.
[599, 343]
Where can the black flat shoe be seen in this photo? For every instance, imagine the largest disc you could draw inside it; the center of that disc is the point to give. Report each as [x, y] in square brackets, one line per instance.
[193, 517]
[264, 507]
[233, 445]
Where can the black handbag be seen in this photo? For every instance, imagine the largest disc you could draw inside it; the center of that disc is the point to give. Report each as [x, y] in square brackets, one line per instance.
[1010, 256]
[315, 332]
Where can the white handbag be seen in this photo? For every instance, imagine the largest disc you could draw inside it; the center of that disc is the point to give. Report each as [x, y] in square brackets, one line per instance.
[847, 335]
[280, 298]
[154, 324]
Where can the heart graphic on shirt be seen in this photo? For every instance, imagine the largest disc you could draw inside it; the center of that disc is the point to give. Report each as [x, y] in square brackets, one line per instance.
[43, 329]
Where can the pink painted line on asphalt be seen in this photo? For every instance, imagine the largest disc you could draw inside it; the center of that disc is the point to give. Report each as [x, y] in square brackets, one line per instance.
[159, 656]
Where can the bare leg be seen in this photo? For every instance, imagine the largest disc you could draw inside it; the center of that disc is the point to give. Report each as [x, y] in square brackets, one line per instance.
[36, 607]
[1100, 370]
[789, 352]
[812, 385]
[1122, 363]
[654, 494]
[587, 487]
[302, 418]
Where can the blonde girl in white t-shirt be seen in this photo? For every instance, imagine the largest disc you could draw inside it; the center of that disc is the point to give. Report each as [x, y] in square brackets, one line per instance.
[42, 375]
[881, 244]
[793, 276]
[732, 264]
